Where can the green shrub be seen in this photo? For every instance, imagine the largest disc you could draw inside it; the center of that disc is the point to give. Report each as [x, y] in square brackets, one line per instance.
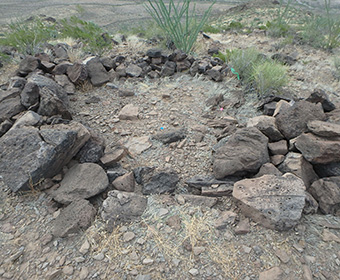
[211, 29]
[179, 21]
[28, 37]
[268, 76]
[279, 26]
[95, 39]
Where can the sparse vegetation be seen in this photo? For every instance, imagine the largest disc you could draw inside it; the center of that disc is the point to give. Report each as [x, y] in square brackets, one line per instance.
[179, 21]
[337, 67]
[279, 27]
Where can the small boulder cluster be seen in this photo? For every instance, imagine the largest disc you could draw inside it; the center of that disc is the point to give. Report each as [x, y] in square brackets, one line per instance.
[291, 159]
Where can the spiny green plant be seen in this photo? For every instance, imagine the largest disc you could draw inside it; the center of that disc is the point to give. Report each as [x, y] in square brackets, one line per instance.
[95, 39]
[28, 37]
[279, 26]
[178, 20]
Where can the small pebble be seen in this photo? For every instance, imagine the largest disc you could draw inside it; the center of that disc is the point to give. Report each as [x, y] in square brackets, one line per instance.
[128, 236]
[99, 257]
[147, 261]
[68, 270]
[193, 271]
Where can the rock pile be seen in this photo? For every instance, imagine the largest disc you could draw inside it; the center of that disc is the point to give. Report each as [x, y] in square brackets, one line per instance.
[267, 166]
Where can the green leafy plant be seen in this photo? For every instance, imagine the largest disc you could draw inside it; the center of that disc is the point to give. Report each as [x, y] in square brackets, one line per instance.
[269, 76]
[178, 20]
[95, 39]
[28, 37]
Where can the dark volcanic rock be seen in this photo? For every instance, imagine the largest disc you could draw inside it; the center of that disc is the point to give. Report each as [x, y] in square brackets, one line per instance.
[273, 201]
[293, 121]
[167, 137]
[327, 170]
[77, 73]
[266, 124]
[97, 72]
[162, 182]
[244, 152]
[319, 96]
[81, 181]
[77, 216]
[28, 65]
[30, 95]
[10, 107]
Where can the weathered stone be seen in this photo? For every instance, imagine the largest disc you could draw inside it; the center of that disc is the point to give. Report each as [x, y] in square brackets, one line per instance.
[245, 152]
[8, 94]
[327, 192]
[198, 200]
[137, 145]
[5, 126]
[67, 85]
[107, 62]
[243, 227]
[274, 202]
[81, 181]
[217, 190]
[274, 273]
[267, 126]
[10, 107]
[16, 83]
[268, 169]
[324, 129]
[29, 155]
[334, 116]
[125, 183]
[311, 205]
[319, 96]
[128, 112]
[277, 159]
[225, 219]
[295, 163]
[162, 182]
[170, 136]
[60, 51]
[215, 73]
[96, 71]
[183, 65]
[133, 70]
[293, 121]
[92, 151]
[121, 71]
[77, 73]
[28, 65]
[123, 207]
[61, 68]
[327, 170]
[46, 66]
[110, 159]
[278, 148]
[30, 118]
[318, 150]
[168, 69]
[115, 172]
[154, 53]
[77, 216]
[30, 95]
[199, 181]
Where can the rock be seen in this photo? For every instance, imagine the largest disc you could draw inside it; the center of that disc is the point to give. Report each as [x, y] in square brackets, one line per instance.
[115, 172]
[214, 100]
[68, 270]
[75, 217]
[274, 273]
[293, 121]
[278, 148]
[128, 236]
[61, 68]
[67, 85]
[268, 169]
[47, 67]
[245, 152]
[30, 118]
[28, 65]
[194, 271]
[85, 247]
[107, 62]
[110, 159]
[311, 205]
[122, 207]
[295, 163]
[272, 201]
[128, 112]
[200, 181]
[198, 200]
[327, 192]
[170, 136]
[9, 108]
[277, 159]
[96, 71]
[327, 170]
[324, 129]
[125, 183]
[154, 53]
[7, 94]
[60, 51]
[183, 65]
[16, 83]
[215, 73]
[174, 222]
[77, 73]
[243, 227]
[133, 70]
[328, 236]
[29, 155]
[81, 181]
[318, 150]
[125, 93]
[334, 116]
[267, 126]
[99, 257]
[84, 272]
[30, 95]
[92, 151]
[162, 182]
[168, 69]
[137, 145]
[225, 219]
[5, 126]
[282, 255]
[121, 70]
[319, 96]
[217, 190]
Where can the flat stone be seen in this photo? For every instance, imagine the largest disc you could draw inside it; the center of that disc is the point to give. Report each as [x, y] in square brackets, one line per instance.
[198, 200]
[274, 273]
[170, 136]
[133, 70]
[267, 126]
[225, 219]
[10, 107]
[129, 112]
[75, 217]
[162, 182]
[243, 227]
[137, 145]
[278, 148]
[81, 181]
[268, 169]
[110, 159]
[125, 183]
[272, 201]
[324, 129]
[128, 236]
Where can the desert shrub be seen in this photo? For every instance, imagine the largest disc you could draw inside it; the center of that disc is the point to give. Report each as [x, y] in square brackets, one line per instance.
[178, 20]
[279, 26]
[268, 76]
[337, 67]
[28, 37]
[94, 37]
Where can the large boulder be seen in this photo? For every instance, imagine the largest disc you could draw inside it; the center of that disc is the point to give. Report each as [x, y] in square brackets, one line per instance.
[29, 155]
[272, 201]
[77, 216]
[293, 120]
[81, 181]
[244, 152]
[318, 150]
[295, 163]
[327, 192]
